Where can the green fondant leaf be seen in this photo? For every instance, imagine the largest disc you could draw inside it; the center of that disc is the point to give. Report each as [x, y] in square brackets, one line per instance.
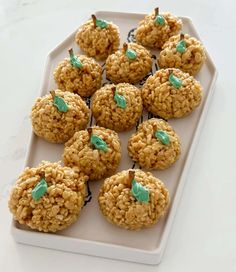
[160, 20]
[181, 46]
[39, 190]
[120, 100]
[60, 104]
[101, 23]
[163, 137]
[98, 143]
[75, 62]
[175, 81]
[140, 192]
[130, 54]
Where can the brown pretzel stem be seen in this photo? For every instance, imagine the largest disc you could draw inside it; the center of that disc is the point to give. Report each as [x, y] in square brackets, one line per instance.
[42, 175]
[170, 72]
[90, 131]
[154, 128]
[125, 46]
[156, 12]
[71, 52]
[130, 178]
[94, 20]
[181, 36]
[113, 90]
[53, 94]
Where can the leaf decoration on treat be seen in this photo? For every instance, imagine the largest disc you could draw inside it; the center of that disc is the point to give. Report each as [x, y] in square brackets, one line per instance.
[101, 23]
[163, 137]
[40, 189]
[120, 100]
[74, 60]
[175, 81]
[140, 192]
[98, 143]
[130, 54]
[160, 20]
[60, 103]
[181, 45]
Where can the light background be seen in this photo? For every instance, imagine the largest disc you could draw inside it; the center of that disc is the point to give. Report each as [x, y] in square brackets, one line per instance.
[203, 237]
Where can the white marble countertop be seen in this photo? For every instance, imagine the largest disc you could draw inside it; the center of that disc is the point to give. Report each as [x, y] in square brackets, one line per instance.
[203, 237]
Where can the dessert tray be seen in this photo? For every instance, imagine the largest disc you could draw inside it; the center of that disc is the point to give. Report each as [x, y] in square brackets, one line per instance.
[92, 234]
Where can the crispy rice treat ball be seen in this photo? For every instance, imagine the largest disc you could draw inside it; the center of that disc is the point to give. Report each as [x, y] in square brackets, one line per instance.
[83, 81]
[58, 207]
[166, 100]
[183, 52]
[130, 64]
[147, 146]
[120, 207]
[110, 112]
[98, 38]
[55, 126]
[95, 152]
[154, 30]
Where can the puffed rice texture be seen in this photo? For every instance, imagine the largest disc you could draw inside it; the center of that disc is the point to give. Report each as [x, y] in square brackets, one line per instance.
[109, 115]
[190, 61]
[148, 151]
[97, 42]
[120, 69]
[151, 35]
[55, 126]
[164, 100]
[120, 208]
[96, 164]
[58, 208]
[84, 81]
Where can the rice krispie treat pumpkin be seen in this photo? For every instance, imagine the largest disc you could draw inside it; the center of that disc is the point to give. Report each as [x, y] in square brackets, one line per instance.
[183, 52]
[129, 64]
[155, 145]
[98, 38]
[117, 107]
[48, 198]
[78, 74]
[57, 116]
[96, 152]
[155, 29]
[133, 199]
[171, 93]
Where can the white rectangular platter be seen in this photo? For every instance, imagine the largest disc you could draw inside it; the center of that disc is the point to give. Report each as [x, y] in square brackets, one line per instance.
[92, 234]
